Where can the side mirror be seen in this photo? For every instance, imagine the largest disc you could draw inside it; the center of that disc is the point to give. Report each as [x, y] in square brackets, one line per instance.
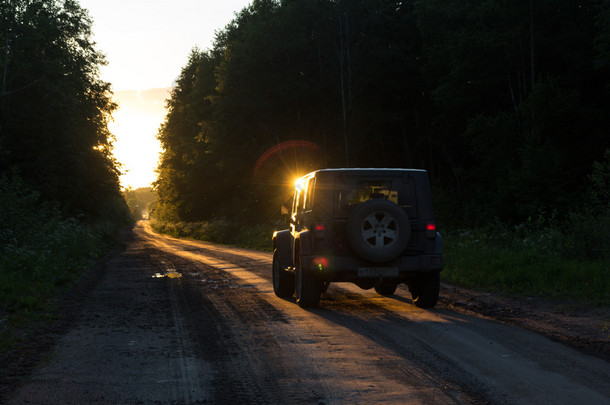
[285, 211]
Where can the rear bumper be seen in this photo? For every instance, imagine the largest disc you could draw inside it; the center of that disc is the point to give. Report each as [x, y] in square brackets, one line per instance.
[341, 268]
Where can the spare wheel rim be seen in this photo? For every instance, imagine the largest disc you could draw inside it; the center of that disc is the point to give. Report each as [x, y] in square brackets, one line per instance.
[379, 230]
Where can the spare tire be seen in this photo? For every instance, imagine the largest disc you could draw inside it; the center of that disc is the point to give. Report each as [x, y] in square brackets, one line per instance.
[378, 230]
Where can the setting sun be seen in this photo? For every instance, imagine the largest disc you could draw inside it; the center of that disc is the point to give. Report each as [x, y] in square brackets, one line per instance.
[135, 126]
[146, 43]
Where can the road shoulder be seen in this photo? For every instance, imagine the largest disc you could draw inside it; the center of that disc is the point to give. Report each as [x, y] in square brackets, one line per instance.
[581, 326]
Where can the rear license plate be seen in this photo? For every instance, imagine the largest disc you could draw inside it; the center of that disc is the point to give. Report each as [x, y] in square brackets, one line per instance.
[378, 272]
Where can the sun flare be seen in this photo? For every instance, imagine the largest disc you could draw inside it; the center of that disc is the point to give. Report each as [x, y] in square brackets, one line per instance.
[135, 126]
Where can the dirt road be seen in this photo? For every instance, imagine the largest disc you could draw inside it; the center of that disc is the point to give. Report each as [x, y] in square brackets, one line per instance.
[175, 322]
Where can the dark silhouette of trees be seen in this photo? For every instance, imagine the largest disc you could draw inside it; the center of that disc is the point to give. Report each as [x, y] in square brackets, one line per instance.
[505, 103]
[54, 109]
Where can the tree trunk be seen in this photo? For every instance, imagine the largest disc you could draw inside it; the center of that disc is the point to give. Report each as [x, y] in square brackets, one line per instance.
[344, 70]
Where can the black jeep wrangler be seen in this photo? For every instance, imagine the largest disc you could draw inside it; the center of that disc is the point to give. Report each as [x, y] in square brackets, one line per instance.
[372, 227]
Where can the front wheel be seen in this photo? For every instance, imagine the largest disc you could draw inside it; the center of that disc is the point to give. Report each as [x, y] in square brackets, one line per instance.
[425, 288]
[308, 287]
[283, 282]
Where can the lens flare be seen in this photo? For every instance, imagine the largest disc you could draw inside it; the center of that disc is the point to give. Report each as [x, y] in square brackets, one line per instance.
[281, 148]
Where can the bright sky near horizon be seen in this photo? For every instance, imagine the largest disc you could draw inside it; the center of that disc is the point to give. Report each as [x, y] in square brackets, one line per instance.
[147, 43]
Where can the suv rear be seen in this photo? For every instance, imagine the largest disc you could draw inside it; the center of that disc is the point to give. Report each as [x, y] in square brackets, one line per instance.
[372, 227]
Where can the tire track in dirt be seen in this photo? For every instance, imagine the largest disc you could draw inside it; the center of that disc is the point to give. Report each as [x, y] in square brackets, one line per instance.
[126, 345]
[474, 358]
[301, 350]
[178, 321]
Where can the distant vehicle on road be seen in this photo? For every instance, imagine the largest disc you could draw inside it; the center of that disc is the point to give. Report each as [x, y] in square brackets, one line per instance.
[372, 227]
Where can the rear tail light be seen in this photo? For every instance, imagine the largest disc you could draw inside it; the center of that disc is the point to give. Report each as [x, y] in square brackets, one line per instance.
[430, 230]
[319, 231]
[320, 263]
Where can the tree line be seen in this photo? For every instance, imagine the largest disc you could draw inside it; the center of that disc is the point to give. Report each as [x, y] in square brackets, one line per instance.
[505, 103]
[60, 201]
[54, 108]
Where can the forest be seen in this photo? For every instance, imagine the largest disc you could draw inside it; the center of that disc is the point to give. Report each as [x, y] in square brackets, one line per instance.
[54, 108]
[505, 103]
[60, 199]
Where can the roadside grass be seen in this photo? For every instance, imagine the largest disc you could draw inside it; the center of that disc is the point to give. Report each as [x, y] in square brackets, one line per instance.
[525, 261]
[222, 231]
[515, 263]
[33, 271]
[40, 252]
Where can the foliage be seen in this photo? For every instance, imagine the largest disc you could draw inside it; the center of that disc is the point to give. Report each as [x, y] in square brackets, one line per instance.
[286, 71]
[40, 250]
[529, 260]
[60, 204]
[544, 256]
[221, 231]
[140, 201]
[499, 101]
[589, 225]
[54, 109]
[520, 82]
[599, 185]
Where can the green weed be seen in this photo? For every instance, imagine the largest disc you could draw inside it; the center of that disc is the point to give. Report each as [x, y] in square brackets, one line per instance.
[40, 252]
[221, 231]
[524, 263]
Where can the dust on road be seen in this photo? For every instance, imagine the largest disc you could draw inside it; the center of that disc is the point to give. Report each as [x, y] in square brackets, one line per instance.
[187, 322]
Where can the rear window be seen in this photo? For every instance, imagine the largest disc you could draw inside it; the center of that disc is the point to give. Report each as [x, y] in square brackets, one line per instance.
[354, 191]
[368, 190]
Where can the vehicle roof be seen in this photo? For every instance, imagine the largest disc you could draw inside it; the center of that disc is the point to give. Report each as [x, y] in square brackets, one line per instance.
[367, 171]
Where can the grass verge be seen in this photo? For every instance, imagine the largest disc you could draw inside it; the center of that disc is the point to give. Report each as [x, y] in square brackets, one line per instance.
[221, 231]
[41, 252]
[32, 273]
[508, 262]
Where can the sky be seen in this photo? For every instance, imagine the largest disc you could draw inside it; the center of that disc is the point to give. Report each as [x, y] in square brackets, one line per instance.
[147, 43]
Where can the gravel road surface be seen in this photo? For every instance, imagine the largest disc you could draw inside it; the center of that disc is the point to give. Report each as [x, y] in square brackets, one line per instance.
[184, 322]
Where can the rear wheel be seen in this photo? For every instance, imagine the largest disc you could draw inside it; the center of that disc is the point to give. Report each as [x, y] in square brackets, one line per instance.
[425, 288]
[308, 287]
[283, 282]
